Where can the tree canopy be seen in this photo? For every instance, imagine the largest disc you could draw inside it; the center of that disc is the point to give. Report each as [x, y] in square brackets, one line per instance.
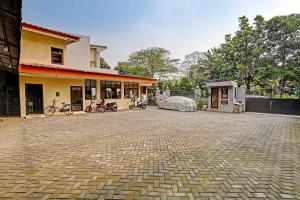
[104, 64]
[263, 54]
[283, 44]
[149, 62]
[128, 69]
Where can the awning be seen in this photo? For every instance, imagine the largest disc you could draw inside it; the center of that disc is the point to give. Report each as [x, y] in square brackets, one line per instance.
[10, 33]
[56, 72]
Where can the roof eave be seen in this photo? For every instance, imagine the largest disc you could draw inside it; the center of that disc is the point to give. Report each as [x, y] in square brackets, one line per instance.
[36, 69]
[98, 47]
[64, 36]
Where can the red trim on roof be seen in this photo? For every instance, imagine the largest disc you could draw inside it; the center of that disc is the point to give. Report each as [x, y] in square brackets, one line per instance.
[49, 31]
[48, 70]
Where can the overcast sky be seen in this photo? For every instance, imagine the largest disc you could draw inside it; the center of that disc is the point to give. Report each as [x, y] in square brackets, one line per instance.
[125, 26]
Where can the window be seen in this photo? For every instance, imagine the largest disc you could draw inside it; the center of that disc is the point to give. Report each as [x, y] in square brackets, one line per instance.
[131, 89]
[90, 89]
[235, 91]
[56, 56]
[224, 93]
[110, 89]
[143, 90]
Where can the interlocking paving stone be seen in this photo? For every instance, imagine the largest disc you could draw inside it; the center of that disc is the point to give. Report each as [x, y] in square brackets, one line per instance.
[259, 195]
[286, 196]
[151, 154]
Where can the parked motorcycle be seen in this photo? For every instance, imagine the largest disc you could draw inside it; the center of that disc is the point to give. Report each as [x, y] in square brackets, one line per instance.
[92, 107]
[102, 106]
[137, 104]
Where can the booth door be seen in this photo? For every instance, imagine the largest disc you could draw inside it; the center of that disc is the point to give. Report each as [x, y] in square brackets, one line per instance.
[214, 97]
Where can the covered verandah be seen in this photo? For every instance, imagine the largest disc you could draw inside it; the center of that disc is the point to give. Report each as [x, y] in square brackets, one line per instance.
[77, 87]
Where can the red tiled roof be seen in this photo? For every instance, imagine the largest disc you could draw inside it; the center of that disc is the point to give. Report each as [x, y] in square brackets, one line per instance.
[39, 69]
[50, 31]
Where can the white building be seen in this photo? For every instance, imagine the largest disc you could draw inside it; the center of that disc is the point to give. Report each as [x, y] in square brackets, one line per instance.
[223, 96]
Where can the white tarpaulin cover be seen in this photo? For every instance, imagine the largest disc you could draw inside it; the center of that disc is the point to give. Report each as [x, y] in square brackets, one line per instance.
[178, 103]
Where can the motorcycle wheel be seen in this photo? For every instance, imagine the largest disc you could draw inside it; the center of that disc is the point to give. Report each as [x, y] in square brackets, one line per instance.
[143, 106]
[114, 109]
[102, 110]
[130, 106]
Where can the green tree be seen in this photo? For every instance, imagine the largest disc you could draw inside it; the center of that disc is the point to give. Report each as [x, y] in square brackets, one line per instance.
[221, 62]
[185, 83]
[241, 55]
[154, 61]
[265, 54]
[104, 64]
[283, 42]
[197, 71]
[250, 49]
[127, 69]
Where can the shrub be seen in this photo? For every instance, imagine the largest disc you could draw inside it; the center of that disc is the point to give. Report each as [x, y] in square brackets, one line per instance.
[201, 102]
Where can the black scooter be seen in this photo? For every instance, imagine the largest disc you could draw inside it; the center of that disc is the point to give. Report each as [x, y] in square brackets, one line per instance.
[139, 104]
[112, 106]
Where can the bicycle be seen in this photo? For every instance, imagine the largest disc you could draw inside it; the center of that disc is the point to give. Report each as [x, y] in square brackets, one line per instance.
[91, 107]
[96, 107]
[66, 108]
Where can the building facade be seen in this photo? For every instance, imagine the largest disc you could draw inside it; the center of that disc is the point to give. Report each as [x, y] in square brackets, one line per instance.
[66, 67]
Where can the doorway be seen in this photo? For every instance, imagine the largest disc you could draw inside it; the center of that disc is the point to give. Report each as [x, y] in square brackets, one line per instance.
[76, 97]
[34, 98]
[214, 97]
[9, 94]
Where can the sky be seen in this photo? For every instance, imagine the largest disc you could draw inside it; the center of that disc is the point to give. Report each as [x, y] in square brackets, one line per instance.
[126, 26]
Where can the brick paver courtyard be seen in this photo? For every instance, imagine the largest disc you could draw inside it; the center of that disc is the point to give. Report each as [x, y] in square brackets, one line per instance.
[152, 154]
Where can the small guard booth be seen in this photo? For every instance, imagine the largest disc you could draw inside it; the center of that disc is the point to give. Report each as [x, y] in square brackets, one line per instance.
[226, 96]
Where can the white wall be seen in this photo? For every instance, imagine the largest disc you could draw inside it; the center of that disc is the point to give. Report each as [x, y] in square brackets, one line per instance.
[93, 58]
[223, 107]
[79, 56]
[226, 107]
[78, 53]
[241, 96]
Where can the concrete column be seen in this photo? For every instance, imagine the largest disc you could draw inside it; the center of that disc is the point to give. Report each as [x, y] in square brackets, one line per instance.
[167, 92]
[209, 98]
[197, 93]
[97, 58]
[139, 91]
[22, 97]
[241, 96]
[157, 94]
[122, 90]
[98, 88]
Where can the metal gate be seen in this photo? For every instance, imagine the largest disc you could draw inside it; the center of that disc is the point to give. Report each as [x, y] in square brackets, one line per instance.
[262, 101]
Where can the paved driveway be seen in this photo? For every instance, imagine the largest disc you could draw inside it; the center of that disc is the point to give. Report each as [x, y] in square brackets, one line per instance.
[152, 154]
